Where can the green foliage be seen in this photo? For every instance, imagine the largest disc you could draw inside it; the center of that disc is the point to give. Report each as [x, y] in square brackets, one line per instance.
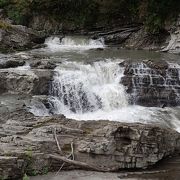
[4, 25]
[4, 3]
[29, 153]
[45, 170]
[25, 177]
[156, 12]
[17, 10]
[86, 13]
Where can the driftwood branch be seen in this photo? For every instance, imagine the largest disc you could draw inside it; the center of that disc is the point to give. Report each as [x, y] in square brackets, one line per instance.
[82, 164]
[57, 142]
[63, 165]
[72, 150]
[73, 162]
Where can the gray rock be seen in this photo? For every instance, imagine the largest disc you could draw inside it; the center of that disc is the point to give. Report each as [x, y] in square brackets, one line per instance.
[45, 23]
[152, 83]
[116, 36]
[143, 40]
[174, 43]
[11, 64]
[110, 145]
[25, 82]
[43, 65]
[17, 37]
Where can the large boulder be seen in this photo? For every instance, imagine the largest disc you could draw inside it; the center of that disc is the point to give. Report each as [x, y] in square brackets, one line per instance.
[25, 82]
[17, 37]
[27, 144]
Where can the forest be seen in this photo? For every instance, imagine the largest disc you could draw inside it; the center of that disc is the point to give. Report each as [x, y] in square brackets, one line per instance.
[154, 14]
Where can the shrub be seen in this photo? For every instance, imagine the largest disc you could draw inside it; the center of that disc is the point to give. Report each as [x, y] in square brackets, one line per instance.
[152, 13]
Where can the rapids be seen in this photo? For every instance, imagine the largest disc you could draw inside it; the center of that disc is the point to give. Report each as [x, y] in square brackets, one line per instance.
[87, 86]
[72, 43]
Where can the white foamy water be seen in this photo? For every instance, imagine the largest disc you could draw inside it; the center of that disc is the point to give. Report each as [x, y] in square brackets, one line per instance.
[23, 68]
[88, 87]
[93, 91]
[72, 43]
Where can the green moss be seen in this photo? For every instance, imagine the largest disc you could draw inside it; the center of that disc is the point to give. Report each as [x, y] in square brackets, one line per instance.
[33, 172]
[25, 177]
[29, 153]
[4, 25]
[45, 170]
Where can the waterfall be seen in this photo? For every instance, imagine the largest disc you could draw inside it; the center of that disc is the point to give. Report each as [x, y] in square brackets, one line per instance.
[82, 88]
[93, 91]
[86, 87]
[70, 43]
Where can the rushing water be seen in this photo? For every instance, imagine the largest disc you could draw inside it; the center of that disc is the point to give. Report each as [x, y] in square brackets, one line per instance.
[56, 44]
[86, 84]
[86, 88]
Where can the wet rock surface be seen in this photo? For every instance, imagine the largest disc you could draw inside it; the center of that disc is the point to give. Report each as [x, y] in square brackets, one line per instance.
[116, 37]
[42, 65]
[153, 83]
[174, 43]
[25, 82]
[17, 37]
[142, 40]
[11, 64]
[26, 142]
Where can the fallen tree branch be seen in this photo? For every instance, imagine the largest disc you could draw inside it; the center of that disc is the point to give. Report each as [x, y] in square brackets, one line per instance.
[57, 142]
[70, 156]
[72, 150]
[82, 164]
[73, 162]
[62, 165]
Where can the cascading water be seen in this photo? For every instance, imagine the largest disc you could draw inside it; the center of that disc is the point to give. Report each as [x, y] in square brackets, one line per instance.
[83, 88]
[164, 84]
[87, 87]
[72, 43]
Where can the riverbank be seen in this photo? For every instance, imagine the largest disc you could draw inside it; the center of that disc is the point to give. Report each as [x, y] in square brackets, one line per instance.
[137, 28]
[35, 145]
[107, 129]
[44, 90]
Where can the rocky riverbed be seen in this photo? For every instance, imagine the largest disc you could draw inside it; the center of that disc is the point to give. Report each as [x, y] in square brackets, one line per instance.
[43, 91]
[98, 102]
[28, 144]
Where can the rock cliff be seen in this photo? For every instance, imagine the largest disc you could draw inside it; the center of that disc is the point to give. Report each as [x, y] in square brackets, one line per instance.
[152, 83]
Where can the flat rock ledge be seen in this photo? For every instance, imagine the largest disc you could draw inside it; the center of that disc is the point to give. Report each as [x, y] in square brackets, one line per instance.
[27, 144]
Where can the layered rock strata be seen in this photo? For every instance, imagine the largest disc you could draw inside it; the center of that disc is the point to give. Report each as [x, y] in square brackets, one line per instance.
[26, 143]
[152, 83]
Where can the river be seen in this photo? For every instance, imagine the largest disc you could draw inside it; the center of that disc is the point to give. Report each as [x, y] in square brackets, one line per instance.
[87, 86]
